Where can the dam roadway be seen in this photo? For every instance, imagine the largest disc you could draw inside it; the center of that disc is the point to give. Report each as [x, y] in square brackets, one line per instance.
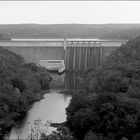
[78, 54]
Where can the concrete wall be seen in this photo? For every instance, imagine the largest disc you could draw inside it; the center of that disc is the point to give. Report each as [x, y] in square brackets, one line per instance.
[36, 50]
[77, 53]
[30, 43]
[35, 54]
[80, 55]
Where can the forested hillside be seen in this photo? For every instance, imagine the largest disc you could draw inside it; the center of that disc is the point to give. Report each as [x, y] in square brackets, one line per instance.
[108, 105]
[102, 31]
[20, 85]
[4, 37]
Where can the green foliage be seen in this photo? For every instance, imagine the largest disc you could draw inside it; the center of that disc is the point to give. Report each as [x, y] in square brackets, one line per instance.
[78, 116]
[34, 68]
[41, 74]
[43, 80]
[92, 136]
[107, 115]
[136, 137]
[20, 85]
[4, 37]
[120, 72]
[62, 133]
[103, 31]
[38, 129]
[115, 119]
[110, 105]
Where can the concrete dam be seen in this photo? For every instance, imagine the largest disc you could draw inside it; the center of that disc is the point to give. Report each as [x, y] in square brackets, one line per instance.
[78, 54]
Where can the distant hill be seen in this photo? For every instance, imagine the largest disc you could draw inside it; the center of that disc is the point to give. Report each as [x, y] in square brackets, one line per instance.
[102, 31]
[4, 37]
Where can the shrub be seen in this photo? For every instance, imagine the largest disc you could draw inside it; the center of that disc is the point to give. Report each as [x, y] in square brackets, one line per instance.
[18, 83]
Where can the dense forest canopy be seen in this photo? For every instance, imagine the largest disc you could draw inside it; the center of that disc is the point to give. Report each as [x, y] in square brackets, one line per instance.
[20, 84]
[102, 31]
[4, 37]
[108, 105]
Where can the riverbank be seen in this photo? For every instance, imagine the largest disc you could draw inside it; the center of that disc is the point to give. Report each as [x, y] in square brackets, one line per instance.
[21, 84]
[56, 125]
[39, 96]
[50, 108]
[23, 113]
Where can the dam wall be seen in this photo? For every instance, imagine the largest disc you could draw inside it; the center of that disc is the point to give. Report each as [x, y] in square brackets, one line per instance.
[34, 51]
[84, 54]
[78, 54]
[35, 54]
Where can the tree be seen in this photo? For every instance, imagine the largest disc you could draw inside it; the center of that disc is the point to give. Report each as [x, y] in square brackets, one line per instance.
[115, 118]
[18, 83]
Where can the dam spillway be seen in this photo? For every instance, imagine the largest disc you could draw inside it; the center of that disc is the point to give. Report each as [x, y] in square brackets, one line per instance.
[78, 54]
[81, 54]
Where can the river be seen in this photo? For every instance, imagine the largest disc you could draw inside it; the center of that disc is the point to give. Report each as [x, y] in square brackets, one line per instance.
[51, 107]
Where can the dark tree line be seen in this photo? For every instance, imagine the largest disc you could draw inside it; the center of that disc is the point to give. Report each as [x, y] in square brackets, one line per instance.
[20, 84]
[108, 105]
[102, 31]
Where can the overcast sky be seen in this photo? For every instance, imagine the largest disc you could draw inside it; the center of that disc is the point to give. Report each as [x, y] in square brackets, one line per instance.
[51, 12]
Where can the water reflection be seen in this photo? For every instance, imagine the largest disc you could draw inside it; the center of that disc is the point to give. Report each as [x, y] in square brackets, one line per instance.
[67, 81]
[72, 80]
[52, 107]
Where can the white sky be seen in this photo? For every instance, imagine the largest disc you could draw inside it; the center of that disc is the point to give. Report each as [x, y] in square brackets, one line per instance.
[51, 12]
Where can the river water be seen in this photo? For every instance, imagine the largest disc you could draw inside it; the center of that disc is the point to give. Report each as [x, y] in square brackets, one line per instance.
[51, 107]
